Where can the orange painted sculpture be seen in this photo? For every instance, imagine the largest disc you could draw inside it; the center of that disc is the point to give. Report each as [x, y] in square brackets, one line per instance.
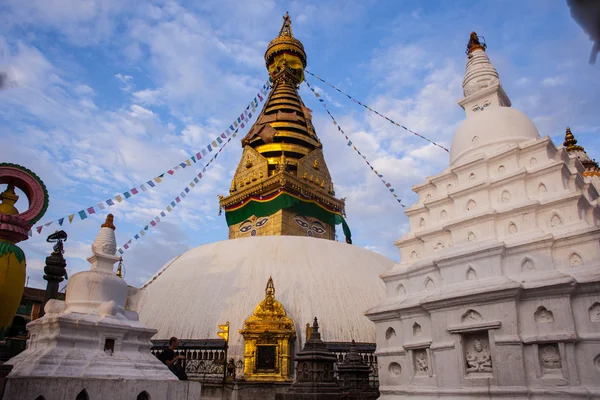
[13, 229]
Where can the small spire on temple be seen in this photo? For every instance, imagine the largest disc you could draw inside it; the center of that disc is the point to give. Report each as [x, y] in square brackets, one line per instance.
[475, 43]
[109, 222]
[9, 198]
[120, 268]
[286, 28]
[570, 142]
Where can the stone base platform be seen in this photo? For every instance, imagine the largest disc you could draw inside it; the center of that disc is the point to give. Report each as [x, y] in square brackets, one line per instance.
[54, 388]
[244, 390]
[514, 393]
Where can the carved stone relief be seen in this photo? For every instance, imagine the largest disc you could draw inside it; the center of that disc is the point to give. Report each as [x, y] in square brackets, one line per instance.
[477, 353]
[422, 223]
[443, 215]
[395, 369]
[505, 197]
[543, 315]
[428, 197]
[542, 188]
[414, 255]
[555, 221]
[470, 237]
[439, 246]
[501, 168]
[401, 291]
[470, 316]
[527, 265]
[471, 274]
[550, 359]
[475, 141]
[594, 312]
[390, 333]
[421, 362]
[471, 205]
[575, 260]
[472, 176]
[416, 329]
[512, 228]
[597, 362]
[429, 284]
[533, 161]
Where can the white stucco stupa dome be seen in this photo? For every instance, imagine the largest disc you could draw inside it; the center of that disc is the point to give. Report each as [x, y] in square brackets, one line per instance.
[489, 131]
[224, 281]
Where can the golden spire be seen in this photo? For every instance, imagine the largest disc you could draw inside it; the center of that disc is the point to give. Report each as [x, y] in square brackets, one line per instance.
[570, 142]
[286, 28]
[270, 289]
[475, 44]
[9, 198]
[109, 222]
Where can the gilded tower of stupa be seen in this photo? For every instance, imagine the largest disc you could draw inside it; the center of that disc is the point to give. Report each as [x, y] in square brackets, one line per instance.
[282, 185]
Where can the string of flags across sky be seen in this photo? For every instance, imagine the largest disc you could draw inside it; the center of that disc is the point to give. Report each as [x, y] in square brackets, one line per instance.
[174, 202]
[239, 123]
[335, 123]
[376, 112]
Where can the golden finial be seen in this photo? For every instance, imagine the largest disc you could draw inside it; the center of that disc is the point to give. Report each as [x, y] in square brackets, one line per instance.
[270, 289]
[232, 188]
[316, 163]
[282, 166]
[570, 142]
[286, 28]
[9, 198]
[120, 268]
[475, 43]
[109, 222]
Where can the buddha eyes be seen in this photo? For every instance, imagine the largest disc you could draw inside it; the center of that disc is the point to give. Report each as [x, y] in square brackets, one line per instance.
[301, 221]
[261, 222]
[245, 228]
[318, 228]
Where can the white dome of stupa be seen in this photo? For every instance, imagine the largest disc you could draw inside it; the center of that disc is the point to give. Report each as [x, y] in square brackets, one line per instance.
[489, 131]
[224, 281]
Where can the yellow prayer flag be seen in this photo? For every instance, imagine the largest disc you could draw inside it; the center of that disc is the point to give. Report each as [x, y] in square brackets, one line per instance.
[142, 232]
[119, 198]
[71, 218]
[188, 162]
[169, 209]
[192, 184]
[158, 180]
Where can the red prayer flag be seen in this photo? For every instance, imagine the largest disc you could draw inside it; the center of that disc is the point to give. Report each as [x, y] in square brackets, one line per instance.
[170, 172]
[39, 228]
[91, 210]
[152, 223]
[134, 191]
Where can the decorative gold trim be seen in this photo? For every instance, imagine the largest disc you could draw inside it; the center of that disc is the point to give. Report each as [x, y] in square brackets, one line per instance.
[265, 148]
[277, 107]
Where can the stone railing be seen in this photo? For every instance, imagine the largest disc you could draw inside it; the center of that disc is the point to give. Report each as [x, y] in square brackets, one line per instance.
[366, 350]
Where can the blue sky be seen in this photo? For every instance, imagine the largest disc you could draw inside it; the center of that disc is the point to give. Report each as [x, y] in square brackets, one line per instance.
[106, 94]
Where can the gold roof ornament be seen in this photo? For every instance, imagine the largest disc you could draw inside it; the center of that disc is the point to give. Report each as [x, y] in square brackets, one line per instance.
[285, 43]
[475, 43]
[120, 268]
[570, 142]
[9, 198]
[571, 146]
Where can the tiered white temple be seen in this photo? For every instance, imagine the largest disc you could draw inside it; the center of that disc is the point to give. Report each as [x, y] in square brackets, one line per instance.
[95, 337]
[498, 291]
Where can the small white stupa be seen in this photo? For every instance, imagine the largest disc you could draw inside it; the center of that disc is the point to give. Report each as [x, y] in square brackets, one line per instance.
[91, 345]
[497, 293]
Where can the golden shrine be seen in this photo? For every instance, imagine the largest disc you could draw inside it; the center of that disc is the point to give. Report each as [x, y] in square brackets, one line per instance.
[282, 185]
[268, 334]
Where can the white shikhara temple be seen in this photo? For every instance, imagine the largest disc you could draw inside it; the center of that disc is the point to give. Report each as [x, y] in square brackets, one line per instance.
[498, 291]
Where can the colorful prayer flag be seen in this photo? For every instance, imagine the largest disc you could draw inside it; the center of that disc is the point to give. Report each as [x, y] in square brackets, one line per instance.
[39, 229]
[151, 184]
[157, 219]
[121, 251]
[210, 148]
[100, 206]
[223, 135]
[91, 210]
[134, 191]
[187, 190]
[48, 223]
[152, 223]
[82, 214]
[219, 139]
[127, 195]
[163, 214]
[126, 246]
[110, 202]
[118, 198]
[71, 218]
[196, 180]
[60, 221]
[170, 172]
[177, 199]
[136, 236]
[143, 187]
[142, 232]
[204, 152]
[169, 209]
[173, 203]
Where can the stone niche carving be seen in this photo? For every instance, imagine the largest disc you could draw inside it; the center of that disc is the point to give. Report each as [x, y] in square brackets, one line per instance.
[542, 188]
[501, 169]
[477, 354]
[575, 260]
[527, 265]
[555, 221]
[390, 333]
[550, 361]
[470, 237]
[395, 369]
[421, 362]
[414, 255]
[471, 274]
[471, 205]
[401, 291]
[472, 176]
[470, 316]
[594, 312]
[416, 329]
[429, 284]
[422, 223]
[505, 197]
[543, 315]
[533, 161]
[443, 215]
[512, 228]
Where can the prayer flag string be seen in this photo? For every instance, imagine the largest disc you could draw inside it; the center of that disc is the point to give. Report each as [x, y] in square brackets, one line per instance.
[178, 199]
[339, 128]
[378, 113]
[239, 123]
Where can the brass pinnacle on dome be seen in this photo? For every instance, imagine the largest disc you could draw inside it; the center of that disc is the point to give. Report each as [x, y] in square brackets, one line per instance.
[570, 142]
[475, 43]
[286, 28]
[109, 222]
[9, 198]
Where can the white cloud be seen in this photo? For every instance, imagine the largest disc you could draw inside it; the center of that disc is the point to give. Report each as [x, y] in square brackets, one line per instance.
[555, 81]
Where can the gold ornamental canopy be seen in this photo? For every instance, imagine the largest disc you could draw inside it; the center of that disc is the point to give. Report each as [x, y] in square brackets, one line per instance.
[286, 50]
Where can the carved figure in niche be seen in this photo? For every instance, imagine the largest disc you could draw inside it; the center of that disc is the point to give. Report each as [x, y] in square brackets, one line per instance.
[472, 176]
[512, 228]
[248, 161]
[542, 188]
[401, 291]
[416, 329]
[475, 141]
[414, 255]
[422, 222]
[429, 284]
[254, 176]
[323, 183]
[555, 221]
[550, 357]
[421, 363]
[533, 161]
[543, 315]
[449, 186]
[471, 275]
[470, 237]
[501, 168]
[231, 368]
[390, 333]
[527, 265]
[443, 215]
[471, 316]
[428, 197]
[575, 260]
[479, 359]
[439, 246]
[471, 205]
[594, 312]
[505, 197]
